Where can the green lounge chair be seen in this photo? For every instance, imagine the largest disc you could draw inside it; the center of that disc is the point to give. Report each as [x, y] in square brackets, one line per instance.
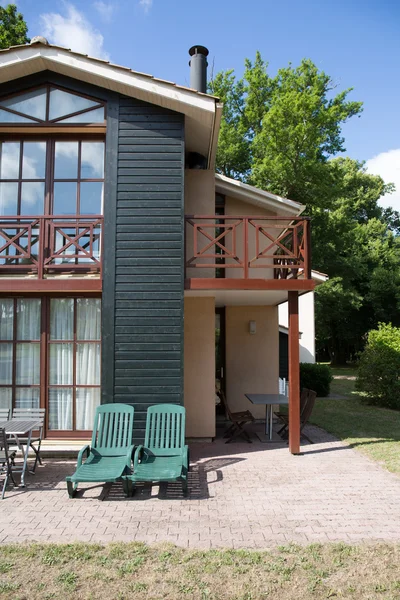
[110, 455]
[164, 456]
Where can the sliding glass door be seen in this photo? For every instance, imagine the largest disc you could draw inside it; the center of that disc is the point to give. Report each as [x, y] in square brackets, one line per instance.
[50, 356]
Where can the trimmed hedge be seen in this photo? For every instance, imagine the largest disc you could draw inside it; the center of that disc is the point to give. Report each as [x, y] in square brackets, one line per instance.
[379, 367]
[316, 377]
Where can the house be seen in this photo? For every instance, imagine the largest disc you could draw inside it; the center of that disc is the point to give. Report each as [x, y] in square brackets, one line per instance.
[119, 244]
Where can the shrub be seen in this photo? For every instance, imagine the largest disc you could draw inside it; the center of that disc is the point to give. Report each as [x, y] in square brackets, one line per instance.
[379, 367]
[316, 377]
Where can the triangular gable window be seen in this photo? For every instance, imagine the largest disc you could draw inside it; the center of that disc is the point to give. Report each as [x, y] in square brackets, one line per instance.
[51, 106]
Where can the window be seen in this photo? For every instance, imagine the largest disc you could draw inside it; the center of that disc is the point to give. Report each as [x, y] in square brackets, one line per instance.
[50, 105]
[56, 177]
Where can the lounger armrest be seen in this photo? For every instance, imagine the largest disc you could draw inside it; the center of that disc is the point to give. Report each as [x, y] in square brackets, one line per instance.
[129, 456]
[138, 455]
[81, 453]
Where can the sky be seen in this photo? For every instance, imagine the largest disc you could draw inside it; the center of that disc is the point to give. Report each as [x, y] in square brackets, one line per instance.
[356, 42]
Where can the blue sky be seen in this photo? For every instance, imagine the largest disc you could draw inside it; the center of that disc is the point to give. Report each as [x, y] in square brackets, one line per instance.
[356, 42]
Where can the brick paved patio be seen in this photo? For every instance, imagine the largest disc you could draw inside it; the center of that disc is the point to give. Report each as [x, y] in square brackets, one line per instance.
[241, 495]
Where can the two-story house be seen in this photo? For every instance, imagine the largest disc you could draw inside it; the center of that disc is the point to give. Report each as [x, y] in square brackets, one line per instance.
[119, 243]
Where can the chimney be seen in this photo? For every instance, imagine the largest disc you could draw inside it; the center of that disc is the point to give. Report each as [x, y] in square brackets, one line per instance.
[198, 68]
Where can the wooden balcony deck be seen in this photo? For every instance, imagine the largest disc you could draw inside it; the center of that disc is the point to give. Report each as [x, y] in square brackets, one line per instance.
[247, 252]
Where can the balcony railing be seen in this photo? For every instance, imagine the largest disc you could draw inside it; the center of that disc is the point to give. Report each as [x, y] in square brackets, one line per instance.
[49, 244]
[278, 246]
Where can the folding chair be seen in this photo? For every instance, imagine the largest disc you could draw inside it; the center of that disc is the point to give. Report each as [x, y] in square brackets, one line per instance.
[307, 402]
[6, 459]
[23, 414]
[238, 420]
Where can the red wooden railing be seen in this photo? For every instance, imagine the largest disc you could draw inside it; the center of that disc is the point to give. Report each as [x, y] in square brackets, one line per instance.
[279, 244]
[50, 243]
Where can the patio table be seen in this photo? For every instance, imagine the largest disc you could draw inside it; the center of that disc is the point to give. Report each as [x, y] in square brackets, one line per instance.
[269, 400]
[24, 428]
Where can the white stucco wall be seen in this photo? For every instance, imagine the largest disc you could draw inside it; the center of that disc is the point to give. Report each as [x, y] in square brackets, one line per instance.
[306, 325]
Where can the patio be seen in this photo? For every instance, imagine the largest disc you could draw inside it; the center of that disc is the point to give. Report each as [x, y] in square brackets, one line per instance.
[240, 496]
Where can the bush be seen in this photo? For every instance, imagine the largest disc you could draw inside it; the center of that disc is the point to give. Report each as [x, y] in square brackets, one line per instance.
[316, 377]
[379, 367]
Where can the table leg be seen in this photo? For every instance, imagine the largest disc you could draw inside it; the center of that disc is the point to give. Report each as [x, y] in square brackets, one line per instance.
[270, 421]
[25, 455]
[266, 420]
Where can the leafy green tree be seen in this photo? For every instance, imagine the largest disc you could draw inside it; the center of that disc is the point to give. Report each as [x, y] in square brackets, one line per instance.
[284, 134]
[13, 28]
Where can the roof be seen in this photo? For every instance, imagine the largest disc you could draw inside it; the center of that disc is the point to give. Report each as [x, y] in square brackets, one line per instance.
[257, 197]
[202, 111]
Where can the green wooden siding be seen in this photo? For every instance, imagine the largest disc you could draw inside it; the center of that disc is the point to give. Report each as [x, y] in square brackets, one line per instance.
[144, 282]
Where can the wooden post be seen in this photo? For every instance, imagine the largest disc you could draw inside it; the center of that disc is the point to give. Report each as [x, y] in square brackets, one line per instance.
[294, 374]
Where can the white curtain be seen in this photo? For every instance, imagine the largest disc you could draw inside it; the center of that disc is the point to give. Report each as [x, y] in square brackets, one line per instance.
[61, 363]
[87, 361]
[88, 319]
[28, 364]
[60, 408]
[62, 319]
[87, 400]
[27, 398]
[5, 397]
[6, 318]
[28, 319]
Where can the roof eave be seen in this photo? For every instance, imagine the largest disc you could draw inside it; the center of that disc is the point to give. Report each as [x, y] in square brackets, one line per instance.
[257, 196]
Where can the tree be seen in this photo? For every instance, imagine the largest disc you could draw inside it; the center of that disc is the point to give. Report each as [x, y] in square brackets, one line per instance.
[13, 28]
[283, 134]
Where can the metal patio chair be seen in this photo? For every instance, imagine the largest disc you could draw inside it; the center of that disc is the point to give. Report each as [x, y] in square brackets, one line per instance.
[23, 414]
[6, 459]
[4, 414]
[238, 420]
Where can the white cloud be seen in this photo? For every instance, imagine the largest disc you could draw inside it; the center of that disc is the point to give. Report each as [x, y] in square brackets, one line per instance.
[105, 10]
[73, 31]
[146, 5]
[387, 165]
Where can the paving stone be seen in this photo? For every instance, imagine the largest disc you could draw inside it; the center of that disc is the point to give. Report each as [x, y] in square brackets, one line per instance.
[240, 496]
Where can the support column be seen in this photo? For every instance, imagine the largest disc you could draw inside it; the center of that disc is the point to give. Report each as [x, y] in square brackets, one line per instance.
[294, 374]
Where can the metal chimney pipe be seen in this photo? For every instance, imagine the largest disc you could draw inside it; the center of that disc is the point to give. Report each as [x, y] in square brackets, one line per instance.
[198, 68]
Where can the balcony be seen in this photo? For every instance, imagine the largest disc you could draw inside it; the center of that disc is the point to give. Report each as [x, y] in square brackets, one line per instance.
[247, 252]
[45, 246]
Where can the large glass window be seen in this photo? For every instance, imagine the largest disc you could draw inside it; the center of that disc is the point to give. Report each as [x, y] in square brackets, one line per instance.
[51, 177]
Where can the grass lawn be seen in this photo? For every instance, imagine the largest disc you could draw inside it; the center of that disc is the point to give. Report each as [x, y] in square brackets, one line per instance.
[373, 430]
[122, 571]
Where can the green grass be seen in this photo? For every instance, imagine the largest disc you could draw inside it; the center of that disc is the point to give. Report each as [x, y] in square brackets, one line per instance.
[84, 571]
[372, 430]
